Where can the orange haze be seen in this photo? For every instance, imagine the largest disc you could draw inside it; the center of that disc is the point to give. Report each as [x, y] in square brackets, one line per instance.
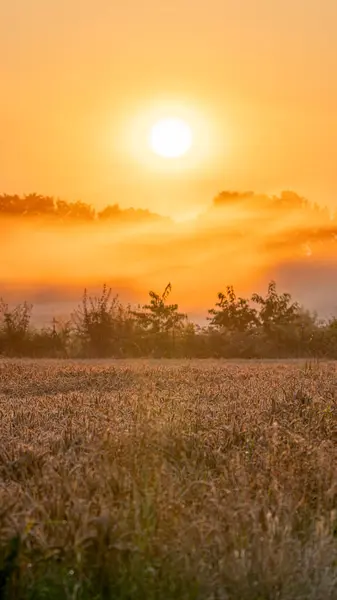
[241, 239]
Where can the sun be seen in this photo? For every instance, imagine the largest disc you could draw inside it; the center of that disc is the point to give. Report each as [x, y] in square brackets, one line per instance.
[171, 138]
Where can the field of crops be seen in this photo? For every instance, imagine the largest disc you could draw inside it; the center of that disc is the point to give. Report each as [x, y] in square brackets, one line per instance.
[168, 480]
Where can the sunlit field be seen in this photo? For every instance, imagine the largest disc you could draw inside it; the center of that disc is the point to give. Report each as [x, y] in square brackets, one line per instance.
[168, 479]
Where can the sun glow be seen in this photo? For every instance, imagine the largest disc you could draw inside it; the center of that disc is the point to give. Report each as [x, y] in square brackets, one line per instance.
[171, 138]
[166, 136]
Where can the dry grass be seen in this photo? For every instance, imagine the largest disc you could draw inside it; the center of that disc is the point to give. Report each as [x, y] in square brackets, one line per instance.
[161, 480]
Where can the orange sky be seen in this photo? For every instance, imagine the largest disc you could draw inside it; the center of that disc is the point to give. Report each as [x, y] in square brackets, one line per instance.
[75, 75]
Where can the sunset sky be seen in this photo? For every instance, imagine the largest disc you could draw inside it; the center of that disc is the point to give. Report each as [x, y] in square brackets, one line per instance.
[256, 80]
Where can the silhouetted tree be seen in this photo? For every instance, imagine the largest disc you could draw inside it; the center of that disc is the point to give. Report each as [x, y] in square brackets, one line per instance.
[232, 313]
[74, 211]
[51, 341]
[14, 328]
[158, 316]
[35, 205]
[110, 212]
[286, 327]
[276, 309]
[160, 321]
[103, 324]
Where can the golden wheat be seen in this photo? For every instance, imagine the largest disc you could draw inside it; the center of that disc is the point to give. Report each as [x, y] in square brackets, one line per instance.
[154, 479]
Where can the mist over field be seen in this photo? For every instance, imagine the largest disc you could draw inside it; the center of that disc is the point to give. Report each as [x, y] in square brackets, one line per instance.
[242, 239]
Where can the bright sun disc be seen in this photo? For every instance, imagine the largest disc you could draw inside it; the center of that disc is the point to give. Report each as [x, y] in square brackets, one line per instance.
[171, 138]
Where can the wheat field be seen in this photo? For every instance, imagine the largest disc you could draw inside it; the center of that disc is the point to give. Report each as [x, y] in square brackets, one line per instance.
[168, 479]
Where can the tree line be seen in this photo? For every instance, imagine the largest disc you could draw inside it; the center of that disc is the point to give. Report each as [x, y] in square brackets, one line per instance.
[37, 206]
[270, 326]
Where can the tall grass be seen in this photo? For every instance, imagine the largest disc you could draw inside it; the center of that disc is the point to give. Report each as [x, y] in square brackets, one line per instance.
[168, 480]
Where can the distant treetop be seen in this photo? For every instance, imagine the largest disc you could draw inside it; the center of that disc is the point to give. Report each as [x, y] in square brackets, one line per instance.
[39, 206]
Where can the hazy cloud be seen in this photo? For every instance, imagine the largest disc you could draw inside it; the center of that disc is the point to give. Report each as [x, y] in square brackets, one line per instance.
[50, 251]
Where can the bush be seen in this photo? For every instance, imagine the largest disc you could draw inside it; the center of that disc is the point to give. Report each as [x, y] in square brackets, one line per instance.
[102, 327]
[14, 328]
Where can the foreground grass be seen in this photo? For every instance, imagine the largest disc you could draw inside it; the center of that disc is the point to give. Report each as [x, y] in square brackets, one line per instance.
[168, 481]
